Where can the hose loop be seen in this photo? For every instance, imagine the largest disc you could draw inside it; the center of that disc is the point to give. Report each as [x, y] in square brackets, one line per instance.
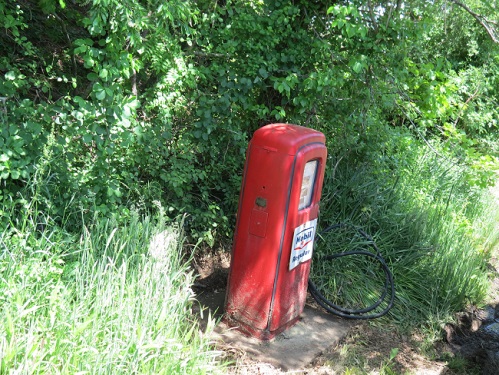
[365, 313]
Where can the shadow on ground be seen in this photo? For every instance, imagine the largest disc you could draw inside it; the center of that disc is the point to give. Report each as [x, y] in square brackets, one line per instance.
[294, 349]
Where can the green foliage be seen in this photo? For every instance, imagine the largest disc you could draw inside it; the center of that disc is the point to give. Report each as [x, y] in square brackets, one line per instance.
[141, 102]
[436, 234]
[109, 300]
[117, 110]
[136, 103]
[460, 365]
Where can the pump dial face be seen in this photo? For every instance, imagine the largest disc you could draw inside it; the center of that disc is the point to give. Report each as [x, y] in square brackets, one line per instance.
[307, 184]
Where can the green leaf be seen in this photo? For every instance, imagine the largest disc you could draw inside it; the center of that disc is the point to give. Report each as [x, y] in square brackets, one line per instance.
[92, 76]
[138, 130]
[87, 138]
[100, 92]
[357, 67]
[350, 29]
[83, 42]
[35, 128]
[363, 31]
[81, 102]
[109, 92]
[10, 75]
[393, 353]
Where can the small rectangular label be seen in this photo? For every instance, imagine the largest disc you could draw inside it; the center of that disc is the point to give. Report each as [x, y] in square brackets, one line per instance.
[303, 243]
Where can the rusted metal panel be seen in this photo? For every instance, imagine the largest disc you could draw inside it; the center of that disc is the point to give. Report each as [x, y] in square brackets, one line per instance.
[265, 293]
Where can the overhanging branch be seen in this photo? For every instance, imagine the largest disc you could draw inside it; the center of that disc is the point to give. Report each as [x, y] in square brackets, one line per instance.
[484, 22]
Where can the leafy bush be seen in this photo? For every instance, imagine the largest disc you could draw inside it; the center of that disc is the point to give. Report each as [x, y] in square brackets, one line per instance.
[140, 102]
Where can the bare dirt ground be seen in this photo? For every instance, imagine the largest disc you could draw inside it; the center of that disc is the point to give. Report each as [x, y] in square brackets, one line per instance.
[371, 348]
[365, 347]
[468, 346]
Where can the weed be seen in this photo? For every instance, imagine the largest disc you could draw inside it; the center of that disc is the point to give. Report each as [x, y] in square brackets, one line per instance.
[434, 232]
[114, 300]
[459, 365]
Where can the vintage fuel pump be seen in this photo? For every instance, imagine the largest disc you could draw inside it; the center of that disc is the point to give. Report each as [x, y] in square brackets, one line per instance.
[275, 230]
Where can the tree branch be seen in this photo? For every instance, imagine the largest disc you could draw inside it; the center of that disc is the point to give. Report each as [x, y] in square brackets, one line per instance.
[484, 22]
[472, 97]
[209, 54]
[371, 14]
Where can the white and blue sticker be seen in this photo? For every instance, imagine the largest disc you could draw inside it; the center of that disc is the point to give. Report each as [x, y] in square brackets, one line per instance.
[303, 243]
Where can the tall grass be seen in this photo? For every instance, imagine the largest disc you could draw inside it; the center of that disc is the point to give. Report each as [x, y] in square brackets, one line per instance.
[114, 300]
[435, 231]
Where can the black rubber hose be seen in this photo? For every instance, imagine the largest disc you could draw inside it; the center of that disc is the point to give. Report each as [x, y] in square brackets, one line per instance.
[357, 313]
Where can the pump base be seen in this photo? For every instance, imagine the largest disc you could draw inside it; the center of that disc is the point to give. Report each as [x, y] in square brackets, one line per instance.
[260, 334]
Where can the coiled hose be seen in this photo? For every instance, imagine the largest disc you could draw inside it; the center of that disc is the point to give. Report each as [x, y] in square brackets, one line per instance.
[389, 287]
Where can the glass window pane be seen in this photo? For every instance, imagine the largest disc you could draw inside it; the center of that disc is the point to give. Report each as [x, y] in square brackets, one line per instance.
[307, 184]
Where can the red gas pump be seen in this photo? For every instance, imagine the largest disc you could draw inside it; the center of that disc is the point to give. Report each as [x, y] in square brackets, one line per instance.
[276, 225]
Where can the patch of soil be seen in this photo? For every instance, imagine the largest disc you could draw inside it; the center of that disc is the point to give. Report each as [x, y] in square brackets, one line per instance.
[212, 269]
[475, 334]
[369, 347]
[475, 337]
[372, 348]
